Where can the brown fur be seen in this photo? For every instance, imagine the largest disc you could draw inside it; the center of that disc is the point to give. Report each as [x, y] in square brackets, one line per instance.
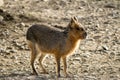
[43, 40]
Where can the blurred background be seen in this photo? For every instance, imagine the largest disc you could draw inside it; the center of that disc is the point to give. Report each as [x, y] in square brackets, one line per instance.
[98, 57]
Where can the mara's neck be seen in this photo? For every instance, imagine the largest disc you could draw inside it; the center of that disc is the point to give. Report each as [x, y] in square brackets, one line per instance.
[72, 43]
[73, 40]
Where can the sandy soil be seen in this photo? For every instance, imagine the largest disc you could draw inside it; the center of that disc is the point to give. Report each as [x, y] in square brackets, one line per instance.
[98, 57]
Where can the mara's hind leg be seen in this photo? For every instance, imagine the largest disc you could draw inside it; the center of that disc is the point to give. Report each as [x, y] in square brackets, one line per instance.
[33, 56]
[40, 62]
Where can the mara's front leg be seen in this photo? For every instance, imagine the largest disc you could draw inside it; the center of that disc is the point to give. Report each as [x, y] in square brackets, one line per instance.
[65, 66]
[58, 66]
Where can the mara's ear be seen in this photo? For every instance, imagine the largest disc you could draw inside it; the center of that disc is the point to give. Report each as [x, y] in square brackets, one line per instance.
[73, 22]
[75, 18]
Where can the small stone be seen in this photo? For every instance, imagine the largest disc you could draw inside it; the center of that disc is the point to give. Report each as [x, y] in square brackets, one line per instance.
[13, 57]
[22, 24]
[1, 18]
[109, 6]
[21, 62]
[1, 64]
[105, 47]
[16, 0]
[12, 51]
[31, 77]
[1, 2]
[9, 47]
[97, 37]
[45, 0]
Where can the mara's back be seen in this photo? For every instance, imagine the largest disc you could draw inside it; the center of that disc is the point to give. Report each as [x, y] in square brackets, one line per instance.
[46, 37]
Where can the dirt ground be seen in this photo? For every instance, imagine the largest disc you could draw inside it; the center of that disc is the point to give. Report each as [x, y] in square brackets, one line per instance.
[98, 57]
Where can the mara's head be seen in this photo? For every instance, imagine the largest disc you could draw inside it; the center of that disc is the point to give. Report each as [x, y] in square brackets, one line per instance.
[76, 30]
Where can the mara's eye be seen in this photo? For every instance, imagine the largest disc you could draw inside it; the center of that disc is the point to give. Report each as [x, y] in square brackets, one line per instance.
[78, 28]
